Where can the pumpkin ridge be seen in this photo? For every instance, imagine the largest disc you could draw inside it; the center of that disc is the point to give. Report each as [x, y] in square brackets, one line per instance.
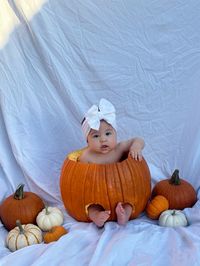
[16, 239]
[132, 177]
[34, 236]
[8, 205]
[106, 178]
[86, 181]
[135, 171]
[144, 179]
[25, 234]
[35, 228]
[147, 173]
[70, 184]
[103, 196]
[117, 188]
[76, 178]
[93, 179]
[142, 182]
[9, 237]
[120, 180]
[84, 189]
[68, 168]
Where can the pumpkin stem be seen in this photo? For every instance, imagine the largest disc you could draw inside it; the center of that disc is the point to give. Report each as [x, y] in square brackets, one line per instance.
[47, 211]
[175, 179]
[21, 230]
[19, 193]
[174, 212]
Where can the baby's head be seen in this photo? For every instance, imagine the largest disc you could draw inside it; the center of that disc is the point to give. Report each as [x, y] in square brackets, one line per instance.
[99, 124]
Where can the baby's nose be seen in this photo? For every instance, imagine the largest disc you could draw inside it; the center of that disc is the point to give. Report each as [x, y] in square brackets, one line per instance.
[103, 138]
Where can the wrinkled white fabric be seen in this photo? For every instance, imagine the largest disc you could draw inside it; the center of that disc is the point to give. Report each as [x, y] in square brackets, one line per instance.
[63, 56]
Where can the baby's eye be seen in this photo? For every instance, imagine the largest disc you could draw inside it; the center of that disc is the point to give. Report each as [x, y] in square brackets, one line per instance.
[108, 133]
[95, 136]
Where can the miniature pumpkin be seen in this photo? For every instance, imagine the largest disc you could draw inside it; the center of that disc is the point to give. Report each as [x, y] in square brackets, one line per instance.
[156, 206]
[54, 234]
[83, 184]
[179, 192]
[23, 235]
[49, 217]
[23, 206]
[172, 218]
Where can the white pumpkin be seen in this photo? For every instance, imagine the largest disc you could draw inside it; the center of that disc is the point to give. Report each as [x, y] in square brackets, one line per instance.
[172, 218]
[49, 217]
[23, 235]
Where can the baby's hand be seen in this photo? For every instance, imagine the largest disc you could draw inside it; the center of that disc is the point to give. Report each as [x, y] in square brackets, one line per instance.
[136, 153]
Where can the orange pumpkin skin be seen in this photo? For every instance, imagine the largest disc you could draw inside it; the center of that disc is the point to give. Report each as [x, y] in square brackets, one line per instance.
[156, 206]
[82, 184]
[179, 192]
[24, 209]
[54, 234]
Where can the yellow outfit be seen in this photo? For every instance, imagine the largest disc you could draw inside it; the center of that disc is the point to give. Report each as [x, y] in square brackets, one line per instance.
[74, 156]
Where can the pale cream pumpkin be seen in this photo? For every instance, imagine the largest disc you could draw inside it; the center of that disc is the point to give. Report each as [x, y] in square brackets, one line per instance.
[172, 218]
[23, 235]
[49, 217]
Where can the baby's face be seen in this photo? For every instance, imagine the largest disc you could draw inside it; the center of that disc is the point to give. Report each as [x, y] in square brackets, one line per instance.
[104, 139]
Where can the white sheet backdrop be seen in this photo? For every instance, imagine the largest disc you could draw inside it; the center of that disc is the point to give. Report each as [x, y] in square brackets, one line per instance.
[60, 58]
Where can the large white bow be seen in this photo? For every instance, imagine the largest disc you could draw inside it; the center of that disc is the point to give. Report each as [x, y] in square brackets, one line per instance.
[95, 114]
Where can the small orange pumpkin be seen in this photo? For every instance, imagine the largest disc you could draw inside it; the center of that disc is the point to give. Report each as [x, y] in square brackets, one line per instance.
[156, 206]
[82, 184]
[54, 234]
[179, 192]
[23, 206]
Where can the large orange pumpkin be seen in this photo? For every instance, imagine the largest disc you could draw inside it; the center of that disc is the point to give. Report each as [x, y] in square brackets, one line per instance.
[23, 206]
[178, 191]
[82, 184]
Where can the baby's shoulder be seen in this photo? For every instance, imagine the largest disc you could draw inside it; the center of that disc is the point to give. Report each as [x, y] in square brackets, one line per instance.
[85, 155]
[123, 145]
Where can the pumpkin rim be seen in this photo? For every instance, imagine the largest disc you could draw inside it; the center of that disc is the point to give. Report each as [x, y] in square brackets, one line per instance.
[74, 156]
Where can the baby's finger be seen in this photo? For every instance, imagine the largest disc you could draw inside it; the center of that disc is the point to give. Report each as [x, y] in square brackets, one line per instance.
[140, 157]
[134, 155]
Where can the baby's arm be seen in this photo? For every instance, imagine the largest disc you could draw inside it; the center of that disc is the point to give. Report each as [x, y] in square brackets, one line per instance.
[134, 146]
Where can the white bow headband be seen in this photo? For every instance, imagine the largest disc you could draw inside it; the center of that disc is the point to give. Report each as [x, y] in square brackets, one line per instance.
[105, 111]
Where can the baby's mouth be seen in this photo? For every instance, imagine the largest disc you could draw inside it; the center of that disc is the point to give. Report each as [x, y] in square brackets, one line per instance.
[104, 146]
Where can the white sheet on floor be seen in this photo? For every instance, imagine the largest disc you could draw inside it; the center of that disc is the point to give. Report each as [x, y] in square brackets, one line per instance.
[59, 57]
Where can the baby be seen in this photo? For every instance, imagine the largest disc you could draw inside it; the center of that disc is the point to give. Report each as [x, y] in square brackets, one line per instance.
[99, 128]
